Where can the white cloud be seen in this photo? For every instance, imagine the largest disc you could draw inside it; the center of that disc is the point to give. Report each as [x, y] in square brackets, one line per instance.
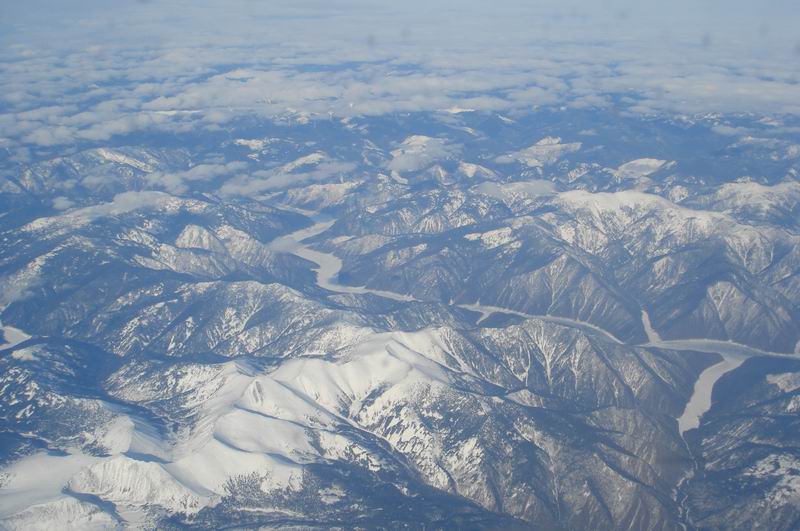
[123, 203]
[178, 182]
[62, 203]
[281, 178]
[50, 136]
[418, 152]
[125, 67]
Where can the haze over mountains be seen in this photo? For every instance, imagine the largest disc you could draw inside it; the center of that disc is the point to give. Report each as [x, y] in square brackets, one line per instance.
[251, 285]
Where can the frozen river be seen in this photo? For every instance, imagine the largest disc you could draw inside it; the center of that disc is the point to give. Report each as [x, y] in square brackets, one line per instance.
[733, 355]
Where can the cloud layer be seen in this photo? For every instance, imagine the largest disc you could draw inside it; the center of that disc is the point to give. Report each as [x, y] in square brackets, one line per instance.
[89, 71]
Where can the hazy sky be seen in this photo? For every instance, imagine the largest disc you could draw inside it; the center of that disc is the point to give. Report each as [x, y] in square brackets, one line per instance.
[84, 71]
[763, 24]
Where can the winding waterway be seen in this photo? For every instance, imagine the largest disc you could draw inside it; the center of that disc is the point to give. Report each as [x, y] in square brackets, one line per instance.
[733, 355]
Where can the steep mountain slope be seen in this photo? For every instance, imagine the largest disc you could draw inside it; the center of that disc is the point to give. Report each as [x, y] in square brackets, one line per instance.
[750, 478]
[499, 416]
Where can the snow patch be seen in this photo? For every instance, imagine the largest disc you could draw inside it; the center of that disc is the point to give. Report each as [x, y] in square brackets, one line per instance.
[332, 495]
[493, 238]
[37, 479]
[119, 158]
[455, 109]
[381, 361]
[251, 432]
[65, 514]
[786, 469]
[544, 152]
[755, 196]
[207, 469]
[307, 160]
[126, 482]
[787, 382]
[197, 237]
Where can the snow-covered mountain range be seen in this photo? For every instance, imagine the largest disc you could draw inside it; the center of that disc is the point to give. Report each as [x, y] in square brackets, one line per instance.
[433, 320]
